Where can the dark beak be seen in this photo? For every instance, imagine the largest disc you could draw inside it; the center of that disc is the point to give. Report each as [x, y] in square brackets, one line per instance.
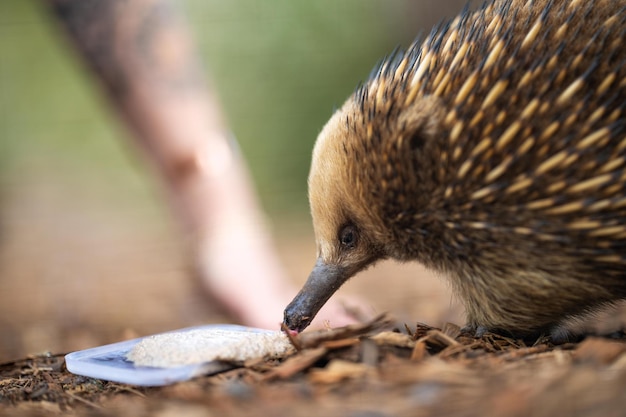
[321, 284]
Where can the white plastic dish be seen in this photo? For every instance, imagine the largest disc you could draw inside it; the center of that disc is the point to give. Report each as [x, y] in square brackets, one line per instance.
[109, 362]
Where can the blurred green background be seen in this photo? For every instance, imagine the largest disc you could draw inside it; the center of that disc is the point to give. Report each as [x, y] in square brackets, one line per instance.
[86, 241]
[280, 68]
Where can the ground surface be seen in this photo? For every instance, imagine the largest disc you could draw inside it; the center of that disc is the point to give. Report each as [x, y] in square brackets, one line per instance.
[368, 370]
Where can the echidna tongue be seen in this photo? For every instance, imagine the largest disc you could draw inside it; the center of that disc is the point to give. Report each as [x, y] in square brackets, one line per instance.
[321, 284]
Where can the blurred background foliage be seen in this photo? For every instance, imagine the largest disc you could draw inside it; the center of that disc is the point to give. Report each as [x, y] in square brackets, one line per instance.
[280, 68]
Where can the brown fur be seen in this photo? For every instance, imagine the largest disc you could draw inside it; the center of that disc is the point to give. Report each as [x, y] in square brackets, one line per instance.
[494, 153]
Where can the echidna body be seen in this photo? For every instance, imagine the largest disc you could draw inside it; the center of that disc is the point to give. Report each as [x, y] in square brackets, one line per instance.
[494, 153]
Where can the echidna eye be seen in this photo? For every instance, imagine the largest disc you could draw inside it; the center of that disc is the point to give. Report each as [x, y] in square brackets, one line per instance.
[348, 236]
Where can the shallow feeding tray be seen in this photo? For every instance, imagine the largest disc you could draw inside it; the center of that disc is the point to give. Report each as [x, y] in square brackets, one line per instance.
[179, 355]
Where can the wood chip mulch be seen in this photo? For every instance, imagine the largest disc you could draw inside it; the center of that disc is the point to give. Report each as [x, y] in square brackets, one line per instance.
[378, 368]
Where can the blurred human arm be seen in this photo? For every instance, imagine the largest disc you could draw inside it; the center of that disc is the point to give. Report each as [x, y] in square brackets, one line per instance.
[143, 55]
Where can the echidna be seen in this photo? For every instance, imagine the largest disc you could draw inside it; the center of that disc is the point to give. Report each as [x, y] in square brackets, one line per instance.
[494, 153]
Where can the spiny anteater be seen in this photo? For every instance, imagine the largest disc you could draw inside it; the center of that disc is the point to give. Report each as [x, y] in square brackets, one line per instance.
[495, 154]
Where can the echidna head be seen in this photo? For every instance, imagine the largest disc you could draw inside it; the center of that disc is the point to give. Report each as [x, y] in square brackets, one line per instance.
[343, 226]
[367, 160]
